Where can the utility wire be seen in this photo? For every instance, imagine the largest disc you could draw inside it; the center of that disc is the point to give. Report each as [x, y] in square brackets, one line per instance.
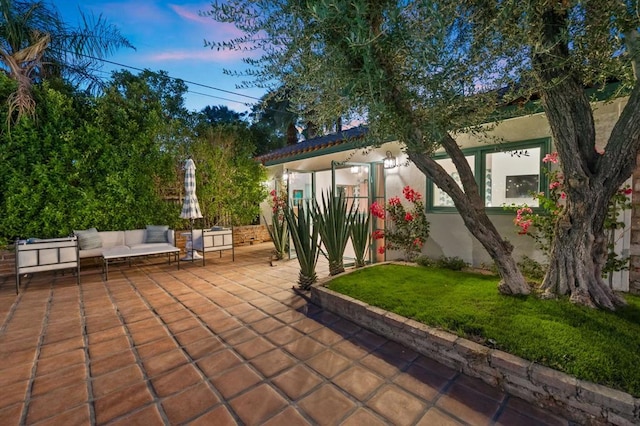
[160, 75]
[208, 95]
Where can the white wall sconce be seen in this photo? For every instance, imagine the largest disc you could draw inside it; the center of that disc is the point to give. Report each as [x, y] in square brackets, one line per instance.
[355, 170]
[285, 175]
[389, 161]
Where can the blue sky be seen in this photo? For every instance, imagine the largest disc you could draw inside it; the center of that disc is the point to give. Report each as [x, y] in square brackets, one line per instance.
[170, 36]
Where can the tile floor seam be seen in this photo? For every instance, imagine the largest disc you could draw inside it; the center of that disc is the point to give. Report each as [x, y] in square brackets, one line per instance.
[500, 410]
[87, 358]
[443, 392]
[136, 354]
[11, 313]
[222, 400]
[34, 369]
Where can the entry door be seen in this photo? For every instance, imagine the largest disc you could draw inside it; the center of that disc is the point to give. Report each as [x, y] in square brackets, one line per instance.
[301, 192]
[354, 182]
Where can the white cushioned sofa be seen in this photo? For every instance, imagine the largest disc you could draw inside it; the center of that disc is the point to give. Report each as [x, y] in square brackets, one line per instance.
[152, 237]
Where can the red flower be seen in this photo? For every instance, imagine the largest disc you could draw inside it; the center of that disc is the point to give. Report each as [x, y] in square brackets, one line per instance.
[410, 194]
[377, 210]
[408, 217]
[417, 242]
[395, 201]
[628, 191]
[554, 185]
[378, 234]
[381, 250]
[563, 195]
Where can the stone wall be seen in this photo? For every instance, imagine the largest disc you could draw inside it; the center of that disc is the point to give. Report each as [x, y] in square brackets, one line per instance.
[250, 234]
[578, 400]
[634, 249]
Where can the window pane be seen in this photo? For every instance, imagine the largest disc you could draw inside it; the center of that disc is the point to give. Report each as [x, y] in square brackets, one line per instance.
[440, 198]
[511, 177]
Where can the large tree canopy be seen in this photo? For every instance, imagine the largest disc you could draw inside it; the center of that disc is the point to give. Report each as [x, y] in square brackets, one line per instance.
[423, 71]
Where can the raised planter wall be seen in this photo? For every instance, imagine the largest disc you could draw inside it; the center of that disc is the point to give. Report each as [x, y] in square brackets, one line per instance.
[580, 401]
[634, 250]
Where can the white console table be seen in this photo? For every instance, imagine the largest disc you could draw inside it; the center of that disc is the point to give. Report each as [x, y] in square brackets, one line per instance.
[46, 255]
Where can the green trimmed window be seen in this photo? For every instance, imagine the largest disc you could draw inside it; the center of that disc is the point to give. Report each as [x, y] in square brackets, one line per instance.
[506, 174]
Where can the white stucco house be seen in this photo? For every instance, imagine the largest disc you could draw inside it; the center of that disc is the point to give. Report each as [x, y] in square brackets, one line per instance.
[507, 163]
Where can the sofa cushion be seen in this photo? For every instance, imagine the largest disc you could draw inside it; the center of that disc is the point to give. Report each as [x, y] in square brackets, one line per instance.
[88, 239]
[112, 238]
[150, 246]
[156, 234]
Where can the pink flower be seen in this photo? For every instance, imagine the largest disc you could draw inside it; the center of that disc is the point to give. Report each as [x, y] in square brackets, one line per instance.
[381, 250]
[417, 242]
[524, 225]
[523, 211]
[563, 195]
[273, 192]
[377, 210]
[394, 201]
[377, 234]
[551, 158]
[554, 185]
[408, 217]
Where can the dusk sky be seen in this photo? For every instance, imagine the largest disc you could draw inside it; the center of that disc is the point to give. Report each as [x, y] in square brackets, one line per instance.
[169, 36]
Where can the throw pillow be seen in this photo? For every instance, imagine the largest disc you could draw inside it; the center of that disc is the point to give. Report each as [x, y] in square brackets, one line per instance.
[157, 234]
[88, 239]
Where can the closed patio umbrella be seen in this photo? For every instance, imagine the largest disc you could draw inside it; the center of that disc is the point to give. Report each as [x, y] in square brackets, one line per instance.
[190, 207]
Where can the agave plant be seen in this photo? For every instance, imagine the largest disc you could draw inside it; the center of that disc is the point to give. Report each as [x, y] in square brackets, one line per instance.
[359, 231]
[333, 221]
[279, 233]
[304, 234]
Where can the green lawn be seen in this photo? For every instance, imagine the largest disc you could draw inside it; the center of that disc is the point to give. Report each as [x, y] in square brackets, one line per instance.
[602, 347]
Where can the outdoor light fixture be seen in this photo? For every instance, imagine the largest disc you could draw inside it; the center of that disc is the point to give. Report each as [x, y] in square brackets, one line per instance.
[389, 161]
[355, 170]
[285, 175]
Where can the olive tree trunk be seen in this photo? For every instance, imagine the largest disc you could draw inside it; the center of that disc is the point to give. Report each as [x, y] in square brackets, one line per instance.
[590, 179]
[472, 211]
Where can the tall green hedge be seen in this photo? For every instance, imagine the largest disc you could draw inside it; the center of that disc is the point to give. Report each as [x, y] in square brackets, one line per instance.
[83, 163]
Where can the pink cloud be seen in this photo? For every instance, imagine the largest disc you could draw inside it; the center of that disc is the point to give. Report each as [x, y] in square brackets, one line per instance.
[221, 30]
[131, 12]
[198, 55]
[189, 15]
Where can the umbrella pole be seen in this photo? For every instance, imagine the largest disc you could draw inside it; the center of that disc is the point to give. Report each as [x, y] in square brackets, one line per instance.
[194, 255]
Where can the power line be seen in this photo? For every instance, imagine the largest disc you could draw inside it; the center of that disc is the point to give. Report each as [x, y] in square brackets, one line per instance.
[168, 76]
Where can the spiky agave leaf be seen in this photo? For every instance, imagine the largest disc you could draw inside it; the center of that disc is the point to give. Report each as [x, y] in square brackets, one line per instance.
[333, 221]
[360, 232]
[279, 233]
[304, 234]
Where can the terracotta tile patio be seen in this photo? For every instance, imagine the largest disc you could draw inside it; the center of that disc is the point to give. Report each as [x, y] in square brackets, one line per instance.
[225, 344]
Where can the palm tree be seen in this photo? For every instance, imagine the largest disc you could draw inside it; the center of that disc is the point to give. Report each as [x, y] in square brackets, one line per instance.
[35, 43]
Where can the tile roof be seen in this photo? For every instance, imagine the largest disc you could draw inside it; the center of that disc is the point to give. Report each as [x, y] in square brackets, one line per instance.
[310, 145]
